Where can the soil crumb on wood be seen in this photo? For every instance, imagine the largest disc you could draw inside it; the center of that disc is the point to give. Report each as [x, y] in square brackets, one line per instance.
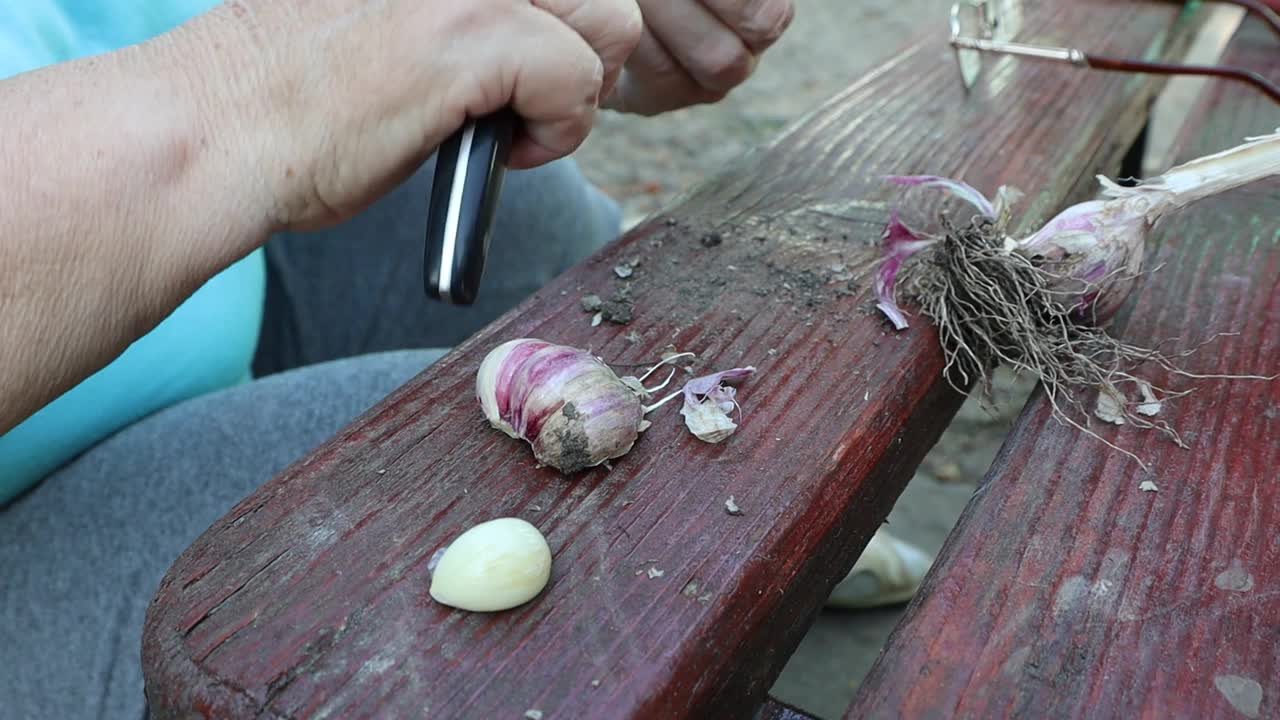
[805, 272]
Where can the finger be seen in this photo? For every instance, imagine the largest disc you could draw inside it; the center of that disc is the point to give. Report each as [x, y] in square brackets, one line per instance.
[542, 143]
[611, 27]
[759, 23]
[654, 82]
[709, 51]
[557, 85]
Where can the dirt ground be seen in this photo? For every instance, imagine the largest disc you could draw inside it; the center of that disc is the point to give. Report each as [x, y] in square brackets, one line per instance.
[646, 162]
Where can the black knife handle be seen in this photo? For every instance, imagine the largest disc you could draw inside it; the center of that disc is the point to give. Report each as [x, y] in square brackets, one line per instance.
[470, 167]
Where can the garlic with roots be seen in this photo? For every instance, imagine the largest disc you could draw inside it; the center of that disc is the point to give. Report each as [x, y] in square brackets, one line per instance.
[1092, 251]
[1040, 303]
[496, 565]
[570, 406]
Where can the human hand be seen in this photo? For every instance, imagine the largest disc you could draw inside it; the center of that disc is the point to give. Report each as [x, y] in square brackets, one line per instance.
[696, 51]
[339, 100]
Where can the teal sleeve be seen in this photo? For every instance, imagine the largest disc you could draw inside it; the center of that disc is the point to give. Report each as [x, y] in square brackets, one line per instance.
[206, 344]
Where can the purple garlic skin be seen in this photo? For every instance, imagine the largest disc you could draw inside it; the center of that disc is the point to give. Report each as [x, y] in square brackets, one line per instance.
[570, 407]
[1097, 248]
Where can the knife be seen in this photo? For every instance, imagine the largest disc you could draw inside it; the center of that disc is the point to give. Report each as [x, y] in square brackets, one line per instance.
[470, 168]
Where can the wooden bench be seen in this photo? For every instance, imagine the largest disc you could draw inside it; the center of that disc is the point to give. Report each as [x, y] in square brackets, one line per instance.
[1067, 591]
[309, 598]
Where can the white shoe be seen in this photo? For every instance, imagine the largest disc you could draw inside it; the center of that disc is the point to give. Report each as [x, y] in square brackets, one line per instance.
[888, 572]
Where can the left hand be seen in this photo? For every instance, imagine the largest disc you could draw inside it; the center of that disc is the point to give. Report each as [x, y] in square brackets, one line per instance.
[696, 51]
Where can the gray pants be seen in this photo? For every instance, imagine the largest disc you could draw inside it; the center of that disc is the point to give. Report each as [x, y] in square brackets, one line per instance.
[346, 323]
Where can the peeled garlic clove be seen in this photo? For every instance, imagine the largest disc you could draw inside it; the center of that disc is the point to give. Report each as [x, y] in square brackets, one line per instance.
[496, 565]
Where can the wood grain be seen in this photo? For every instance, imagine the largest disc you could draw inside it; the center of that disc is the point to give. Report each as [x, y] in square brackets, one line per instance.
[1067, 591]
[309, 599]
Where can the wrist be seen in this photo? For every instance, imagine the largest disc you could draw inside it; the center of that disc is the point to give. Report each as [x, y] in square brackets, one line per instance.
[126, 196]
[254, 100]
[205, 158]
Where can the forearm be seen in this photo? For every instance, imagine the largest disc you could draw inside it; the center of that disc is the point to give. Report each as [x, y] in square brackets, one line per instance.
[117, 201]
[128, 181]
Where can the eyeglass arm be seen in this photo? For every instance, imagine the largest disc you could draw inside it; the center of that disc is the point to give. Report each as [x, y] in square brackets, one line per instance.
[1225, 71]
[1043, 52]
[1101, 62]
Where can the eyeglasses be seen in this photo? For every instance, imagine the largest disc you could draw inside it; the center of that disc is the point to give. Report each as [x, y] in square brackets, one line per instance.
[975, 23]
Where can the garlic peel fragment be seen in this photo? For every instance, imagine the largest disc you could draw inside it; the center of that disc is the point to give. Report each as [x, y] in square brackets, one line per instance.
[958, 188]
[708, 422]
[900, 243]
[1150, 404]
[1109, 407]
[496, 565]
[707, 404]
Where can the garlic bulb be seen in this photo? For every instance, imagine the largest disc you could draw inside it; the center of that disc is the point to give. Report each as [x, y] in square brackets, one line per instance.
[1098, 246]
[496, 565]
[1095, 248]
[577, 414]
[1042, 303]
[566, 403]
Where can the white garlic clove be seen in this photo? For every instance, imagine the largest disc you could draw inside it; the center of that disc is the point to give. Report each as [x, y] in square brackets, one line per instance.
[487, 382]
[496, 565]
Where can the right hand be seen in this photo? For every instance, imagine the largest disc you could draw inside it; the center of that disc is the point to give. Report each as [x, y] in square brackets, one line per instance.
[696, 51]
[337, 101]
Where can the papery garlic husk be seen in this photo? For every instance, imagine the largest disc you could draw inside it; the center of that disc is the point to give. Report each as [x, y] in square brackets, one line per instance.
[708, 402]
[571, 408]
[496, 565]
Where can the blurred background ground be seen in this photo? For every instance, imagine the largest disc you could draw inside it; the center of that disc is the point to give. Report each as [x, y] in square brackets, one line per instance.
[646, 162]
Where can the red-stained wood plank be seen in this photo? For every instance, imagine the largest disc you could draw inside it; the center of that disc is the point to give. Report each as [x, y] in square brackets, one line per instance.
[1068, 592]
[309, 599]
[778, 710]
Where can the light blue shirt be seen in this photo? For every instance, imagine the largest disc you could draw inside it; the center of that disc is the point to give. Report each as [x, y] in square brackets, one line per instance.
[204, 345]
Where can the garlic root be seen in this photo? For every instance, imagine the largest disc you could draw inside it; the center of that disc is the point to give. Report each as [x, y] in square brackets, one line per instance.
[1041, 303]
